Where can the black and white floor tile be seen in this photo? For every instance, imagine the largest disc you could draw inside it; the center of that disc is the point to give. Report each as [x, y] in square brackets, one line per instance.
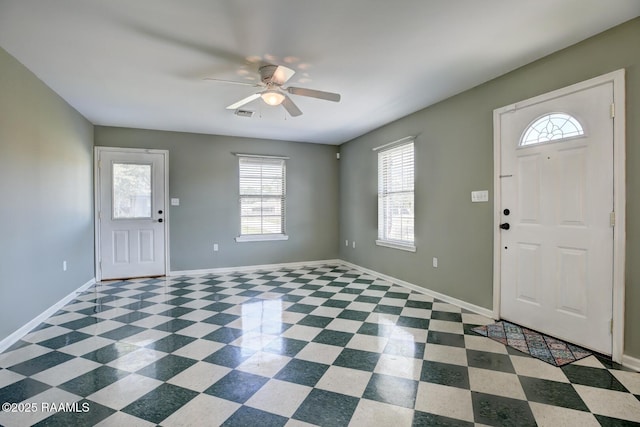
[320, 345]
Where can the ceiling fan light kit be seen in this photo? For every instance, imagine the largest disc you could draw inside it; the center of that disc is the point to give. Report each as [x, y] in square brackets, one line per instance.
[272, 97]
[274, 94]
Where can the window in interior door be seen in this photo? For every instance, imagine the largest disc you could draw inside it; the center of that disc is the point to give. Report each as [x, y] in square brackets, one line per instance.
[551, 127]
[131, 191]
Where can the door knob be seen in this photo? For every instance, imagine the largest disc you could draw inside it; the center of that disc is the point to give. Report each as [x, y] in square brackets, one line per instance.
[506, 211]
[505, 226]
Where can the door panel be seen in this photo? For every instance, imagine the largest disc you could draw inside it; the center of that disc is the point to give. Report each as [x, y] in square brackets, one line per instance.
[572, 186]
[528, 281]
[120, 246]
[557, 256]
[131, 205]
[529, 183]
[146, 238]
[572, 289]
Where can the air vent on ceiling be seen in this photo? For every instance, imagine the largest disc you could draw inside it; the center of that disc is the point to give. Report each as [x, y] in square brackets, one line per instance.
[244, 113]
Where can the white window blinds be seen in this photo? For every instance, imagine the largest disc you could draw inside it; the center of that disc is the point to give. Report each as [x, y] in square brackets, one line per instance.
[396, 196]
[262, 196]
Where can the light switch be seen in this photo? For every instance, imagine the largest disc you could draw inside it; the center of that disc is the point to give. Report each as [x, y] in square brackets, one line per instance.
[175, 202]
[480, 196]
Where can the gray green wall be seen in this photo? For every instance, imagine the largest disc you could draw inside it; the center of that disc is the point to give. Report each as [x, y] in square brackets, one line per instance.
[203, 174]
[46, 188]
[46, 204]
[454, 155]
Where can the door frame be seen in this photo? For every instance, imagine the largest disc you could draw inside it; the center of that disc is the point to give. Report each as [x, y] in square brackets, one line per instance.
[96, 200]
[619, 196]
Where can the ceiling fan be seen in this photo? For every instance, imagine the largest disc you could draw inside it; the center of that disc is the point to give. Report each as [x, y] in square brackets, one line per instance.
[273, 77]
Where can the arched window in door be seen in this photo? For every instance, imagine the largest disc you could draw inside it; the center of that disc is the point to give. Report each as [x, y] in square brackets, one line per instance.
[551, 127]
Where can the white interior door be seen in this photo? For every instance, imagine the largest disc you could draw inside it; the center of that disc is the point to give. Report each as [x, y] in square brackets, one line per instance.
[556, 183]
[131, 212]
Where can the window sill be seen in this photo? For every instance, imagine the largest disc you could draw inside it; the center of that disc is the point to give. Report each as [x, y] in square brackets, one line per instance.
[393, 245]
[261, 237]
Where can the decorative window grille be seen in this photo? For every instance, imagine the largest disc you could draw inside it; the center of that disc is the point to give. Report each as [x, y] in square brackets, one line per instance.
[551, 127]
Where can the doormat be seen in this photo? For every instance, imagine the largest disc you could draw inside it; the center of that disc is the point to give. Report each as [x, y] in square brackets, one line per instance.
[543, 347]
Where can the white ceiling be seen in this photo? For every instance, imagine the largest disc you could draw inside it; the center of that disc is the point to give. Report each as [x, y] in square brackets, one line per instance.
[141, 63]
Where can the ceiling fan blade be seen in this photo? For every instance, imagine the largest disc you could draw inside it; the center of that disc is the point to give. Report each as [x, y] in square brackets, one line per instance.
[328, 96]
[215, 51]
[291, 108]
[282, 74]
[233, 82]
[244, 101]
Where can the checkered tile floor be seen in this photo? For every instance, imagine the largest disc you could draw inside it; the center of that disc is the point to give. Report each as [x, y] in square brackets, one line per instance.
[322, 345]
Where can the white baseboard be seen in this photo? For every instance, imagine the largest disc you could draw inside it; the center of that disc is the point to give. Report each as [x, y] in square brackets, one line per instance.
[250, 268]
[631, 362]
[15, 337]
[627, 361]
[446, 298]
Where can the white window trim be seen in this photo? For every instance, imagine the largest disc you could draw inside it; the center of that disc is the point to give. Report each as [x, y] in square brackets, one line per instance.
[244, 238]
[406, 139]
[261, 237]
[261, 156]
[395, 245]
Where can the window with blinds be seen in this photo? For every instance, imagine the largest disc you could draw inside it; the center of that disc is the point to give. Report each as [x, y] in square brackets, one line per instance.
[396, 197]
[262, 198]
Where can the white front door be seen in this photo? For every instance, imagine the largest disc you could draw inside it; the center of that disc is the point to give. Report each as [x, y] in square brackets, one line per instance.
[556, 238]
[131, 213]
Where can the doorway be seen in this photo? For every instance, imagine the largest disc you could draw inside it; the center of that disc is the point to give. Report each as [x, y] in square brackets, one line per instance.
[130, 210]
[559, 213]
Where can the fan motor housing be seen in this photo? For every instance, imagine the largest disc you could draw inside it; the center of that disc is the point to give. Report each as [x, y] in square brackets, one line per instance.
[266, 72]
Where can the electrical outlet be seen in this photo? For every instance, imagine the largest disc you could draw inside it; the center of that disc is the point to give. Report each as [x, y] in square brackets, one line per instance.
[215, 247]
[346, 243]
[64, 265]
[354, 244]
[435, 262]
[480, 196]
